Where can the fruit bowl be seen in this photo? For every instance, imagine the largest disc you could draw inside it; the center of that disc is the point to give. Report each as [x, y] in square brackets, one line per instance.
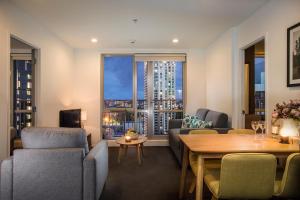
[132, 134]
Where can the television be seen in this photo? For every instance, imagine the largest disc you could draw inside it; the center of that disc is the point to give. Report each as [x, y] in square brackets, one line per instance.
[70, 118]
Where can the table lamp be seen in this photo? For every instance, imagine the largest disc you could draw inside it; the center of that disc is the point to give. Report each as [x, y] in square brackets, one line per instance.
[288, 130]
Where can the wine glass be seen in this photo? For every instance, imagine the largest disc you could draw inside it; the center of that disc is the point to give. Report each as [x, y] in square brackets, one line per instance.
[255, 126]
[262, 126]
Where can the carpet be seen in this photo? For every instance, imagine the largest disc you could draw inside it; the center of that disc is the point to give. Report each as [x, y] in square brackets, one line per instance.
[156, 179]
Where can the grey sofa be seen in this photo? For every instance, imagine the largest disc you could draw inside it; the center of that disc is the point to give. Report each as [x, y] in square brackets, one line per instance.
[219, 121]
[55, 164]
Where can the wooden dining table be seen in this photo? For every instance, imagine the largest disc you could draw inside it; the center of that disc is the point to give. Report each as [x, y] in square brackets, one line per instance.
[218, 145]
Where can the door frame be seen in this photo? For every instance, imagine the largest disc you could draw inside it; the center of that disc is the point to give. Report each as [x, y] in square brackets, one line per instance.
[241, 118]
[36, 54]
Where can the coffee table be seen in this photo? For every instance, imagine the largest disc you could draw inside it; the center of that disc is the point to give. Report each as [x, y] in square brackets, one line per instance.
[139, 143]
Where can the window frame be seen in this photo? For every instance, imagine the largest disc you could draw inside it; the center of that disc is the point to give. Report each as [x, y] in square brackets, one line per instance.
[134, 85]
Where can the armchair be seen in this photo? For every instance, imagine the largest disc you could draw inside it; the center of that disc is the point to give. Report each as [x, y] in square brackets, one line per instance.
[55, 164]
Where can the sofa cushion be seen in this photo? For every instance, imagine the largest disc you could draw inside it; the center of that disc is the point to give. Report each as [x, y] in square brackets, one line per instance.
[201, 113]
[219, 120]
[47, 138]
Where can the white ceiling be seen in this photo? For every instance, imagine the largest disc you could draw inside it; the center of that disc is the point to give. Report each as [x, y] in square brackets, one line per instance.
[196, 23]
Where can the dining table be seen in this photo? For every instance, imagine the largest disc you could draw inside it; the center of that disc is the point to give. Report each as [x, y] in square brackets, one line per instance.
[218, 145]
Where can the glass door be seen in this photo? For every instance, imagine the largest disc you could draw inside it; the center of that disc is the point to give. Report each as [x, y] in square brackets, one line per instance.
[22, 91]
[118, 113]
[142, 92]
[159, 92]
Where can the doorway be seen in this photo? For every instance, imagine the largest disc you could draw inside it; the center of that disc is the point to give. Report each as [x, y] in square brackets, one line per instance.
[254, 83]
[22, 87]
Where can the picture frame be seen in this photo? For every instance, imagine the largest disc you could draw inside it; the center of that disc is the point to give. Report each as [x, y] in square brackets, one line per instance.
[293, 56]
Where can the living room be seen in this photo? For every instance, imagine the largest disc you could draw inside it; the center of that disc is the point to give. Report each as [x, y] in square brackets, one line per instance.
[73, 43]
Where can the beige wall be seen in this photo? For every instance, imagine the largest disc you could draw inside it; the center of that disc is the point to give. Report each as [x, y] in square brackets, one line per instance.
[271, 22]
[87, 89]
[218, 62]
[55, 78]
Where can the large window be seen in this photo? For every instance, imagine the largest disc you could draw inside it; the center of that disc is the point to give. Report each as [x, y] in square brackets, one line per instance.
[142, 92]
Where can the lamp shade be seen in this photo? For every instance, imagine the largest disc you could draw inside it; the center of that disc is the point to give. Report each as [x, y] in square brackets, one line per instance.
[83, 115]
[288, 128]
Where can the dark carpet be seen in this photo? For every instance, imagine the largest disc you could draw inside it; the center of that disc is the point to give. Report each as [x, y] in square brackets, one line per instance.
[156, 179]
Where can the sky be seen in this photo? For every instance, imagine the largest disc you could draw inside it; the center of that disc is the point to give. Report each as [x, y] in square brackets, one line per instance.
[118, 78]
[259, 68]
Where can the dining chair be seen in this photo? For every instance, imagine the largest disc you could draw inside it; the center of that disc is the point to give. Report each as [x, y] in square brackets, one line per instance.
[243, 176]
[241, 131]
[288, 185]
[193, 158]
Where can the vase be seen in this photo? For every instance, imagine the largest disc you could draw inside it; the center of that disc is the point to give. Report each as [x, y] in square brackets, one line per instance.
[288, 128]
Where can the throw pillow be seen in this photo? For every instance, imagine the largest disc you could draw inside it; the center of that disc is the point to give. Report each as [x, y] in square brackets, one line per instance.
[204, 124]
[190, 121]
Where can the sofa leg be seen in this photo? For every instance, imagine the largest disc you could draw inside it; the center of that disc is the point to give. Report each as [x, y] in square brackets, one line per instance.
[193, 186]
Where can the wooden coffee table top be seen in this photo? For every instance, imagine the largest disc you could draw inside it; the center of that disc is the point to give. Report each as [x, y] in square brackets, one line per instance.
[122, 141]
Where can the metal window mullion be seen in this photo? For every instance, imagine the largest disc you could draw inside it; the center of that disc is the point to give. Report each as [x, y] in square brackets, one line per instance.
[134, 92]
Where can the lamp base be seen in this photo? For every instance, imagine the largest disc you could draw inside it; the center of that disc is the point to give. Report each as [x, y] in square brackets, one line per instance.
[284, 140]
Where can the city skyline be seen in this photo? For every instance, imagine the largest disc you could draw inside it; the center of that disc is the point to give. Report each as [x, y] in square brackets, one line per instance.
[118, 81]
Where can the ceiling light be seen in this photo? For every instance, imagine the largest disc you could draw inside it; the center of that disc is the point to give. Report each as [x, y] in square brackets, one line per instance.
[94, 40]
[175, 40]
[135, 20]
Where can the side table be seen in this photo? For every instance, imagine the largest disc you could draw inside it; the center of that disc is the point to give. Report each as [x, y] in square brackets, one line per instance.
[139, 143]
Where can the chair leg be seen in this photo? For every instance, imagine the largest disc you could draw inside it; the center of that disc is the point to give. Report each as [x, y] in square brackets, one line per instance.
[193, 186]
[213, 197]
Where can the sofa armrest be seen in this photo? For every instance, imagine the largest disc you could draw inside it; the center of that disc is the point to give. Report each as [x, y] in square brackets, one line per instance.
[6, 179]
[95, 171]
[175, 123]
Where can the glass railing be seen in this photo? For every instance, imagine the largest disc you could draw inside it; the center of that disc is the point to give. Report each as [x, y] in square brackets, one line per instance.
[118, 119]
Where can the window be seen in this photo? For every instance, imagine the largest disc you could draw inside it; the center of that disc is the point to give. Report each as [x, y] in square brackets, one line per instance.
[144, 94]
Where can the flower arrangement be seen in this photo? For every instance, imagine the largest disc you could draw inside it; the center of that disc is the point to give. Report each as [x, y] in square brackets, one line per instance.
[287, 110]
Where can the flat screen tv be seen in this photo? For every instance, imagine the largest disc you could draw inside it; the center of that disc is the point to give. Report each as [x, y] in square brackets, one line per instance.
[70, 118]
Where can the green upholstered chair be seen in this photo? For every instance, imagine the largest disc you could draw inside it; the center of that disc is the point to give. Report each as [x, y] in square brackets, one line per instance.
[241, 131]
[288, 185]
[243, 176]
[193, 157]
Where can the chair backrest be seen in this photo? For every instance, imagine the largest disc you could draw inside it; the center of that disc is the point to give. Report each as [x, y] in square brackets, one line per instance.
[54, 138]
[247, 176]
[203, 131]
[241, 131]
[289, 187]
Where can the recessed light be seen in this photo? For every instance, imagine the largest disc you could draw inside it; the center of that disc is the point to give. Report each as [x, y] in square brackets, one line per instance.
[175, 40]
[94, 40]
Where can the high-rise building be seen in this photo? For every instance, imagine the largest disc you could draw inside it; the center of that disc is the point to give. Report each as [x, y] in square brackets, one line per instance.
[164, 94]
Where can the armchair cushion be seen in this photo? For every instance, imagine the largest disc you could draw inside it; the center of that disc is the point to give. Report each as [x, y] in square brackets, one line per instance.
[52, 173]
[52, 138]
